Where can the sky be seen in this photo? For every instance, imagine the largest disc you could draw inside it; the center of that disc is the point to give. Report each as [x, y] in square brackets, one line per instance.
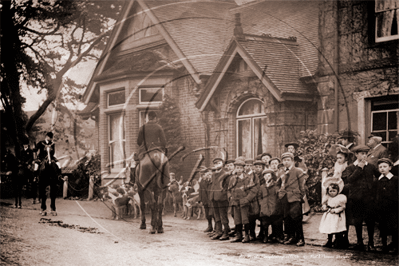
[80, 73]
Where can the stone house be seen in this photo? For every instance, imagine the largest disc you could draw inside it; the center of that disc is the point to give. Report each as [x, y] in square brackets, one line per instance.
[245, 78]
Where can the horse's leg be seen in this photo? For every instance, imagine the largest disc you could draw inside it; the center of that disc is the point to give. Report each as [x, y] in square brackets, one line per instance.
[142, 207]
[153, 206]
[174, 209]
[161, 199]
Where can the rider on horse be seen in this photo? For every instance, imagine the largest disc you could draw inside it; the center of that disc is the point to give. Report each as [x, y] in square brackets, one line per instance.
[151, 136]
[48, 173]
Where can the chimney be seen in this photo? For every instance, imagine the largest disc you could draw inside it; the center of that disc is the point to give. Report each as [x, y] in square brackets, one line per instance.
[238, 31]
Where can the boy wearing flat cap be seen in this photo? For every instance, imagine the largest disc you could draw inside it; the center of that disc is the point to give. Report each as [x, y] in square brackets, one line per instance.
[259, 166]
[291, 194]
[270, 206]
[359, 178]
[387, 204]
[220, 203]
[204, 186]
[242, 191]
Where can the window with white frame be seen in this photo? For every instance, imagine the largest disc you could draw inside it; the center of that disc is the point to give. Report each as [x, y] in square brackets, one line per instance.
[150, 95]
[116, 97]
[116, 142]
[251, 128]
[142, 117]
[385, 118]
[386, 20]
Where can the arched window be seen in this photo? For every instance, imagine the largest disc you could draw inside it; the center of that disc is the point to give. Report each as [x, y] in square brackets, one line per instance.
[251, 128]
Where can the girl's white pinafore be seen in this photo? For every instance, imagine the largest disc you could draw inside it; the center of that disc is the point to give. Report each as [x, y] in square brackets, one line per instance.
[334, 222]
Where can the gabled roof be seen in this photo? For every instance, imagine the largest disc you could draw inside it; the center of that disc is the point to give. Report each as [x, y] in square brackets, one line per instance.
[202, 30]
[274, 61]
[197, 32]
[286, 18]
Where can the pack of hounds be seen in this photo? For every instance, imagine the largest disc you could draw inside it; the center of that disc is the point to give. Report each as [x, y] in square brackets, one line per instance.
[125, 201]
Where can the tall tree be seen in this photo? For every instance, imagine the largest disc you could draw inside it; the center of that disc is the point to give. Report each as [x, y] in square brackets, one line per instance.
[42, 41]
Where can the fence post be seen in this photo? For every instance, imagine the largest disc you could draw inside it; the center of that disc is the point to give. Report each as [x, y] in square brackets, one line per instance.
[323, 178]
[65, 188]
[91, 187]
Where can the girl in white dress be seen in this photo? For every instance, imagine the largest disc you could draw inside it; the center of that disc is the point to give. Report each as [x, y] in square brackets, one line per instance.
[333, 221]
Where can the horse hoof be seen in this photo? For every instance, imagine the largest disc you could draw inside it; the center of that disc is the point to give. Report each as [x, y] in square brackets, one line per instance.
[160, 230]
[142, 226]
[152, 231]
[174, 215]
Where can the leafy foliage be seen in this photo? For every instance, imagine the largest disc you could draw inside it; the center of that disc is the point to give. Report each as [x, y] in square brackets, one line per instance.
[316, 151]
[169, 119]
[79, 179]
[43, 40]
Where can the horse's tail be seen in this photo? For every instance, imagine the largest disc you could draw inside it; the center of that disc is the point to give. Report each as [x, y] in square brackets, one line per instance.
[161, 179]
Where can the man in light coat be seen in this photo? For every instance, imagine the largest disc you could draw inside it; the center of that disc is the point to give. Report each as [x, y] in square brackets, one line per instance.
[377, 151]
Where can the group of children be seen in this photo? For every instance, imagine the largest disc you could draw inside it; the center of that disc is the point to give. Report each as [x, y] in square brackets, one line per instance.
[369, 194]
[272, 191]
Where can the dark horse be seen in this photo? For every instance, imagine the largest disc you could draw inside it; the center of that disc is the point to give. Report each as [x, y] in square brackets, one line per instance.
[152, 183]
[48, 176]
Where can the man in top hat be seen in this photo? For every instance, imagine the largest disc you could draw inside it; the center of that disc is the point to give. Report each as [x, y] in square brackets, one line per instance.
[291, 195]
[265, 157]
[220, 203]
[248, 166]
[347, 139]
[230, 166]
[292, 147]
[377, 151]
[48, 172]
[26, 167]
[204, 188]
[359, 178]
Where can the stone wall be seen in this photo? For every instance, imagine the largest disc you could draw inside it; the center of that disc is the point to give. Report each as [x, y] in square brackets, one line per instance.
[363, 65]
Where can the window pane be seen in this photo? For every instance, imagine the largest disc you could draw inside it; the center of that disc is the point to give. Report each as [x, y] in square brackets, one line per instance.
[150, 95]
[115, 98]
[383, 135]
[260, 135]
[117, 143]
[392, 134]
[244, 138]
[142, 118]
[116, 154]
[379, 121]
[252, 107]
[393, 120]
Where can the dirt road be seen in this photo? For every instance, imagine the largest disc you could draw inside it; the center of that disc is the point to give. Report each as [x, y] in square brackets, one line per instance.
[89, 237]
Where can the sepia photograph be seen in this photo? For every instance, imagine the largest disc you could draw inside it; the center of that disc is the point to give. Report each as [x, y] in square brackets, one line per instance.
[199, 132]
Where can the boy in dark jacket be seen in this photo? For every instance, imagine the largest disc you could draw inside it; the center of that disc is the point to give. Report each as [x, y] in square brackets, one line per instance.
[291, 194]
[220, 203]
[241, 192]
[270, 206]
[387, 204]
[359, 179]
[204, 186]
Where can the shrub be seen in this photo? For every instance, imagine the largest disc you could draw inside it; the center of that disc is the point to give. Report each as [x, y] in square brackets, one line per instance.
[315, 149]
